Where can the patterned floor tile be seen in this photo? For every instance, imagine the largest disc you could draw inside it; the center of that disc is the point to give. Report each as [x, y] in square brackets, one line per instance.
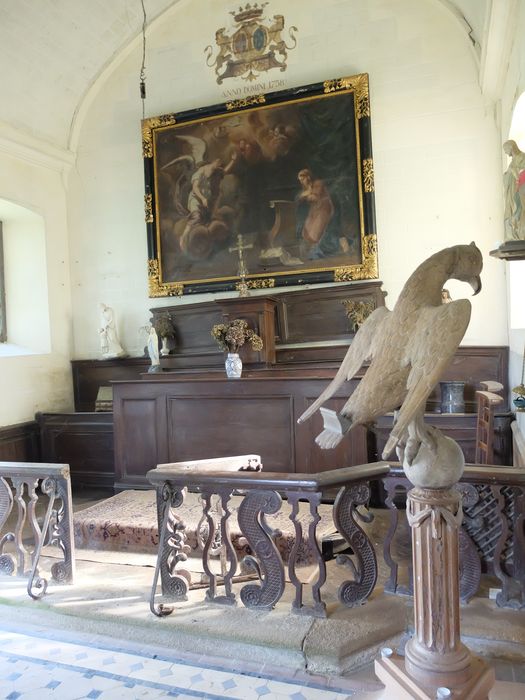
[38, 667]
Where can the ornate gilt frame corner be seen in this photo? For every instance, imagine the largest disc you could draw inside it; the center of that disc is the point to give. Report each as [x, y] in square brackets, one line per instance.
[158, 289]
[359, 84]
[367, 270]
[147, 131]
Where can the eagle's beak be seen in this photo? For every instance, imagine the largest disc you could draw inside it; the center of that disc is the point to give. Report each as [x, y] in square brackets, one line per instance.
[475, 283]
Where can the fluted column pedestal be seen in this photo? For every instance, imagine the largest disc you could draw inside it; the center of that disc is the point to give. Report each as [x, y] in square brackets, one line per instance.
[436, 663]
[435, 652]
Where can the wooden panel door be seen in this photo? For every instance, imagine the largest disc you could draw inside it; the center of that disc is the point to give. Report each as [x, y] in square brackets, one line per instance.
[210, 426]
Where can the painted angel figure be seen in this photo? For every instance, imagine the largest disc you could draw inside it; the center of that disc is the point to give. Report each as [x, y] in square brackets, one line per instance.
[196, 193]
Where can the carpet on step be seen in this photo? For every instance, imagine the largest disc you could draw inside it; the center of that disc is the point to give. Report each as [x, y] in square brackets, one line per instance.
[128, 522]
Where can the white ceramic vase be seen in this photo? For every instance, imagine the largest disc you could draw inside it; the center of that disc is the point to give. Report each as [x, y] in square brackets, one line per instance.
[233, 365]
[164, 349]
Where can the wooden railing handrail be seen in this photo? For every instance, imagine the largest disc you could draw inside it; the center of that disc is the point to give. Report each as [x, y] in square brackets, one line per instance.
[37, 469]
[479, 473]
[277, 481]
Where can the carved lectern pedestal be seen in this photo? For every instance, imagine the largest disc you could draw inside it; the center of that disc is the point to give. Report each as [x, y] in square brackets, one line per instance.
[436, 663]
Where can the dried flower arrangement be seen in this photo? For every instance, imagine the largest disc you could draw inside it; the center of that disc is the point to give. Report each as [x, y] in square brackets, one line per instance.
[231, 336]
[164, 325]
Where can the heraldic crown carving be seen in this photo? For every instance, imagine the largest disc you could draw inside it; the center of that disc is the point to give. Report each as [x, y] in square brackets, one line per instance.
[254, 46]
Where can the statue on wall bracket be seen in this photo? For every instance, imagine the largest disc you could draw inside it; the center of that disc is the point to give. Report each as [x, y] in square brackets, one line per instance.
[254, 46]
[513, 247]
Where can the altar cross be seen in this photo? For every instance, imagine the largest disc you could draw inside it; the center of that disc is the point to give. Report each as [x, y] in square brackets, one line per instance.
[242, 270]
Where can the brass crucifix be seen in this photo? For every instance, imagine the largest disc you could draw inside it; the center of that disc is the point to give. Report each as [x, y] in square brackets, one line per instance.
[242, 286]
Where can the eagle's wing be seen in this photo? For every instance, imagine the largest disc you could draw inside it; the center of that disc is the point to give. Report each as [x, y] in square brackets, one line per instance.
[361, 349]
[439, 330]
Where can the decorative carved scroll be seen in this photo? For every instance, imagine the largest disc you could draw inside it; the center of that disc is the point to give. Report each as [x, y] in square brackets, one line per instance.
[267, 560]
[355, 592]
[319, 608]
[219, 541]
[483, 523]
[37, 585]
[172, 550]
[393, 486]
[510, 569]
[7, 563]
[21, 553]
[57, 527]
[62, 531]
[469, 560]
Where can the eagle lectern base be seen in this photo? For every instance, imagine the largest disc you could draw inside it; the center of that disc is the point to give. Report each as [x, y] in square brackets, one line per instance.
[401, 686]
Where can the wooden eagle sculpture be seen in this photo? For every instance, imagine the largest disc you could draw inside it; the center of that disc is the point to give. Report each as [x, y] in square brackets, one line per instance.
[408, 349]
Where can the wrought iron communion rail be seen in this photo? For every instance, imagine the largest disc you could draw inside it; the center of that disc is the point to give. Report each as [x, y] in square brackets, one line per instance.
[492, 536]
[21, 486]
[261, 494]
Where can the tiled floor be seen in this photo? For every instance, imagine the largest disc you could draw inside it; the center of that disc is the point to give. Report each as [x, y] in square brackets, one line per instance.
[35, 666]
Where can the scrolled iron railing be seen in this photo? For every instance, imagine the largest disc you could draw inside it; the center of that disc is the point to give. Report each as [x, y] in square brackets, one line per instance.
[262, 494]
[22, 486]
[492, 538]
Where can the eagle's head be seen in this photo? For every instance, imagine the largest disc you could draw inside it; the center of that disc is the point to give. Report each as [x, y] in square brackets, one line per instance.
[467, 263]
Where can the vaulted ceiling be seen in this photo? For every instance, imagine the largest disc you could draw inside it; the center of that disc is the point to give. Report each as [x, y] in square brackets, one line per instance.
[52, 51]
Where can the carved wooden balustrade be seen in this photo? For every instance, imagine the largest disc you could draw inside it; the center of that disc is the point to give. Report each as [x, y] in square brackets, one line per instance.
[492, 536]
[21, 486]
[262, 495]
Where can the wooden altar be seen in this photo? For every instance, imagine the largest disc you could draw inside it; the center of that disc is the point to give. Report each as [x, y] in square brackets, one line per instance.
[175, 419]
[191, 411]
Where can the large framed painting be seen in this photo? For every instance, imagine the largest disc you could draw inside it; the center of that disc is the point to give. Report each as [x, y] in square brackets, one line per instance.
[279, 187]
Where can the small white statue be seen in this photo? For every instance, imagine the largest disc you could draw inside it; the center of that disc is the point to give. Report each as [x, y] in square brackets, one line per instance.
[109, 342]
[153, 350]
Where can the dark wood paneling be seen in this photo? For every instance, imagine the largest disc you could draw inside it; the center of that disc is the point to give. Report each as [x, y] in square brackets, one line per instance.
[82, 440]
[261, 316]
[90, 375]
[319, 315]
[20, 443]
[459, 426]
[471, 364]
[197, 419]
[210, 426]
[193, 324]
[302, 316]
[311, 458]
[137, 437]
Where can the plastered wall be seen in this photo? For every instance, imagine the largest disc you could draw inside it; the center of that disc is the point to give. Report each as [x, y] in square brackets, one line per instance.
[436, 147]
[38, 378]
[514, 86]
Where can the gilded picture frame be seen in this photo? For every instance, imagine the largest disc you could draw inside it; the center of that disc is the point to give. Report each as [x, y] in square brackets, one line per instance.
[286, 177]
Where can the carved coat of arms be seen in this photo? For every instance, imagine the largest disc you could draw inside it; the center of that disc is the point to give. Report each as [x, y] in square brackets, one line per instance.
[255, 45]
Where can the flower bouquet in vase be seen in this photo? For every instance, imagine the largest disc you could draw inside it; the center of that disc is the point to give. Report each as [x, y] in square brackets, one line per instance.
[165, 329]
[232, 336]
